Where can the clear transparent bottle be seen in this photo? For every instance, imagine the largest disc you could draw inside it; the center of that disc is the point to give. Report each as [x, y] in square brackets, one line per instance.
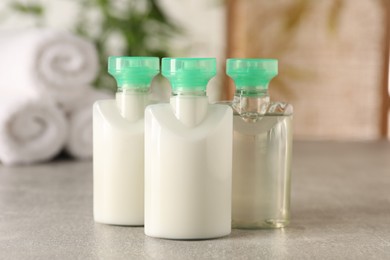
[262, 147]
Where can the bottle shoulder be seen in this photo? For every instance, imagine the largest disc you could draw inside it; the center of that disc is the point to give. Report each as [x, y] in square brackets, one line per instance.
[273, 108]
[279, 108]
[167, 108]
[106, 114]
[164, 116]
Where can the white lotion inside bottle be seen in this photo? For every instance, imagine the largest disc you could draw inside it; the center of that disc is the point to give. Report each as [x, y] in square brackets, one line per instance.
[118, 143]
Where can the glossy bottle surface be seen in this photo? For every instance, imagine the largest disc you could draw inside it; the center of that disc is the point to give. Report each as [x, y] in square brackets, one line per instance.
[118, 143]
[262, 150]
[262, 147]
[118, 163]
[188, 150]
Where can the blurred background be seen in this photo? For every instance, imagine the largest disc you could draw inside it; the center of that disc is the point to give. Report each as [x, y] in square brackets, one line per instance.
[333, 55]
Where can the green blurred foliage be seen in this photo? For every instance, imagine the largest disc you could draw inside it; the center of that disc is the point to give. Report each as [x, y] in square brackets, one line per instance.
[27, 8]
[141, 27]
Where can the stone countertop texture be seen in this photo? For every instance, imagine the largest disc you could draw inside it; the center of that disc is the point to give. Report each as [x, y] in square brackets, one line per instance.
[340, 210]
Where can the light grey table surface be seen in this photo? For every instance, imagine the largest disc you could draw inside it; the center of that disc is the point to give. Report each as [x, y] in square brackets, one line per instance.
[340, 210]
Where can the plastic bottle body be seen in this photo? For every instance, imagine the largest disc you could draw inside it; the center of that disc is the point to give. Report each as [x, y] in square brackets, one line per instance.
[118, 161]
[262, 151]
[262, 147]
[188, 147]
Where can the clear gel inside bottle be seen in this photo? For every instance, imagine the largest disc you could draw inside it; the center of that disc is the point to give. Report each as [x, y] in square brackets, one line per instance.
[262, 147]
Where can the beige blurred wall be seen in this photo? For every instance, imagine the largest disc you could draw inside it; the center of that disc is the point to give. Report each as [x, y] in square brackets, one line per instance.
[331, 61]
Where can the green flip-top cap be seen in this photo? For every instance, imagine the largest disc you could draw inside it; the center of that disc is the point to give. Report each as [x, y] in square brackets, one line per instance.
[252, 74]
[189, 74]
[133, 72]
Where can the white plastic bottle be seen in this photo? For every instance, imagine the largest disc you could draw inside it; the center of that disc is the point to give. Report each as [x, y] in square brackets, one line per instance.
[118, 143]
[188, 157]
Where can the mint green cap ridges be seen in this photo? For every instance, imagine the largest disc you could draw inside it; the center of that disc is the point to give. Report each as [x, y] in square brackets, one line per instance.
[189, 74]
[251, 74]
[133, 72]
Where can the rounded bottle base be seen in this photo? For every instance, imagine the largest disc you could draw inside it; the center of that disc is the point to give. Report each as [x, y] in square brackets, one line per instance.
[186, 237]
[119, 223]
[264, 224]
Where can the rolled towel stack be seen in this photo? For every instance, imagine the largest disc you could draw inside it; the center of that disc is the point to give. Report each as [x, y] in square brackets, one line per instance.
[31, 130]
[45, 83]
[46, 62]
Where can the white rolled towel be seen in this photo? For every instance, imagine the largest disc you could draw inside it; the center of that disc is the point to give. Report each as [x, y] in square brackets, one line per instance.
[46, 62]
[79, 142]
[31, 130]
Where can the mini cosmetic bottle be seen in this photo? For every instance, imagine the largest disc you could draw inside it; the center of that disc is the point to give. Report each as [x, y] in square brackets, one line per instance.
[118, 143]
[188, 153]
[262, 147]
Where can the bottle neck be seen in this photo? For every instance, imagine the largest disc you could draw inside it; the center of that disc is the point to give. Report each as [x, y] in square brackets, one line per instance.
[131, 102]
[194, 92]
[251, 103]
[189, 107]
